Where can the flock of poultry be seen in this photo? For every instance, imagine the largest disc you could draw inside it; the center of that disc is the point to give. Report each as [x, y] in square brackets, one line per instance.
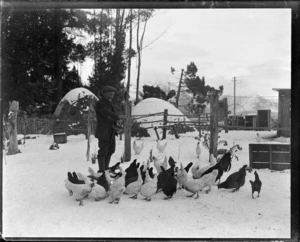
[140, 178]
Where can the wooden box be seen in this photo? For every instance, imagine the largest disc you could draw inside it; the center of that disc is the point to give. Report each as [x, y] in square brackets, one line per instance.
[274, 156]
[60, 138]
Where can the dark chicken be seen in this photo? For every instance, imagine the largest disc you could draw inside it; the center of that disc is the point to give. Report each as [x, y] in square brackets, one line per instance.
[235, 181]
[168, 182]
[224, 165]
[187, 168]
[256, 184]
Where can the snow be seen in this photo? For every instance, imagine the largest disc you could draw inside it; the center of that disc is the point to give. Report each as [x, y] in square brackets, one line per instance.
[77, 93]
[155, 105]
[36, 203]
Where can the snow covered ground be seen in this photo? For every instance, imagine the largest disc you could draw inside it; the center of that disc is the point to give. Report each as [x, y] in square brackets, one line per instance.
[36, 203]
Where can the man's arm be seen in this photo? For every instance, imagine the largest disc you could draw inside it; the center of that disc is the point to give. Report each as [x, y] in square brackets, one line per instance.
[102, 109]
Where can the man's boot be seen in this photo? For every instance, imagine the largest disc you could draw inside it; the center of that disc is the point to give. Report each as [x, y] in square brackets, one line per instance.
[101, 163]
[107, 161]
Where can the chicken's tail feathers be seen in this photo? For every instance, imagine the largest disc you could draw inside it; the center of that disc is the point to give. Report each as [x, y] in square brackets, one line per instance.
[208, 171]
[70, 177]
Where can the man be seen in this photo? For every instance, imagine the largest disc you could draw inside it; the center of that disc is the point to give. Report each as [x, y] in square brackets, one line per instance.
[106, 127]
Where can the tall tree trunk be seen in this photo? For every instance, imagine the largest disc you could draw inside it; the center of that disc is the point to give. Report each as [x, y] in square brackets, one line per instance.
[58, 57]
[129, 57]
[139, 57]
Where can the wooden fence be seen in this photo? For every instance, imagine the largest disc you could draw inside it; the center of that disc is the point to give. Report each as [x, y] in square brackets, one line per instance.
[270, 155]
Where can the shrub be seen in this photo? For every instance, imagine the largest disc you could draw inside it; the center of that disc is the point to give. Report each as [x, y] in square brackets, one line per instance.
[137, 131]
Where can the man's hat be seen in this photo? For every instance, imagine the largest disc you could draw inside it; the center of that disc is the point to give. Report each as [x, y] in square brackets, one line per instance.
[108, 89]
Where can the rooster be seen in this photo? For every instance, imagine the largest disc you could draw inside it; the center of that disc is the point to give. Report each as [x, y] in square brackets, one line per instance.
[235, 181]
[161, 148]
[198, 149]
[138, 149]
[224, 164]
[256, 184]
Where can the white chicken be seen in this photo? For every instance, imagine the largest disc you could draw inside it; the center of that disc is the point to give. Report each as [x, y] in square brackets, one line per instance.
[198, 149]
[258, 138]
[196, 185]
[98, 192]
[134, 188]
[149, 188]
[161, 148]
[117, 188]
[138, 149]
[160, 161]
[181, 176]
[80, 191]
[195, 170]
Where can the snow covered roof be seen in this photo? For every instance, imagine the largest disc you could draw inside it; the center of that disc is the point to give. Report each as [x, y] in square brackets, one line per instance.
[72, 96]
[155, 105]
[76, 94]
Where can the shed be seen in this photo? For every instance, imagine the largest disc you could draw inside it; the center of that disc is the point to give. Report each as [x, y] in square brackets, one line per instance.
[251, 120]
[284, 112]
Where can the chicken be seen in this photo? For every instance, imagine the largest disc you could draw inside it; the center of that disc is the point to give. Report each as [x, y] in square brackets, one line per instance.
[161, 148]
[149, 188]
[117, 188]
[181, 176]
[169, 182]
[131, 173]
[80, 191]
[224, 165]
[135, 187]
[235, 181]
[158, 162]
[212, 161]
[256, 184]
[98, 192]
[196, 185]
[258, 138]
[198, 149]
[137, 149]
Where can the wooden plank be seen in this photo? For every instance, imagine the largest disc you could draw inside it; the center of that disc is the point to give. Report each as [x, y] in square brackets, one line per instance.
[127, 131]
[165, 123]
[214, 103]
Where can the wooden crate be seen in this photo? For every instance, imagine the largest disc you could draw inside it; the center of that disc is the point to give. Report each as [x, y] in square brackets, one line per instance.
[60, 138]
[270, 155]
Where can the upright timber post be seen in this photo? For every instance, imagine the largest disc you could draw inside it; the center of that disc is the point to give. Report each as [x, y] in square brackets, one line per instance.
[127, 132]
[165, 123]
[214, 103]
[12, 128]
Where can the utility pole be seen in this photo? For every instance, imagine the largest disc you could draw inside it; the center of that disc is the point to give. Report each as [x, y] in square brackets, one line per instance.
[234, 101]
[179, 86]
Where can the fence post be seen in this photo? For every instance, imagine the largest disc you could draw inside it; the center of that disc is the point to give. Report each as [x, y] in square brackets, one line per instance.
[199, 117]
[157, 135]
[214, 101]
[175, 132]
[165, 123]
[13, 136]
[127, 132]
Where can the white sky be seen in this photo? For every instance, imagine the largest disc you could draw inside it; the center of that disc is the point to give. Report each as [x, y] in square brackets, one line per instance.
[254, 45]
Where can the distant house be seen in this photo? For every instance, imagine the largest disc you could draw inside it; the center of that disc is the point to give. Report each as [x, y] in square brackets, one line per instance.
[284, 111]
